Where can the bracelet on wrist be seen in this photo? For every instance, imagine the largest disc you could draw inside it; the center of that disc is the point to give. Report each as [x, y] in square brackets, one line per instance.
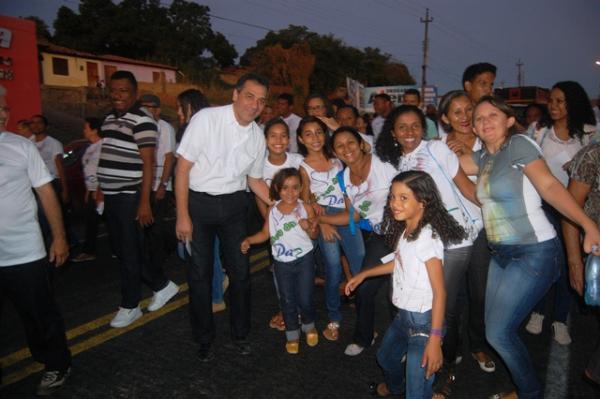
[436, 332]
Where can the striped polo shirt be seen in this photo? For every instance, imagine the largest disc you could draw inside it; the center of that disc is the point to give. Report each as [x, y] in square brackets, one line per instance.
[120, 165]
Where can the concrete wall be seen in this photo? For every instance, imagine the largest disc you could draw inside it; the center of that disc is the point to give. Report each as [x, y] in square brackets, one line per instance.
[142, 73]
[78, 71]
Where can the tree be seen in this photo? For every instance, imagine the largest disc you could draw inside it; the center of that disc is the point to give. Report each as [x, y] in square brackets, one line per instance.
[334, 59]
[180, 34]
[41, 28]
[286, 67]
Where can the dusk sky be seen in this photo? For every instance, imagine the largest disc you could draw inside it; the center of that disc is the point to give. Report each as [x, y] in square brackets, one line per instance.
[555, 39]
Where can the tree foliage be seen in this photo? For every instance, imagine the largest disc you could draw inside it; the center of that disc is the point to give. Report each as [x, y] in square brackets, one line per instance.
[286, 67]
[41, 28]
[180, 34]
[334, 59]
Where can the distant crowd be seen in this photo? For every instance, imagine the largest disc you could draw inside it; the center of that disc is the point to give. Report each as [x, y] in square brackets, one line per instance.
[464, 202]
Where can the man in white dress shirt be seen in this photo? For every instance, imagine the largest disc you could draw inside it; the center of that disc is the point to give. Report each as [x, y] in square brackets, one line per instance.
[221, 154]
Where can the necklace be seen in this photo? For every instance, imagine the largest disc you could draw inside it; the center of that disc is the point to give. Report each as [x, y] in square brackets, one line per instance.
[362, 176]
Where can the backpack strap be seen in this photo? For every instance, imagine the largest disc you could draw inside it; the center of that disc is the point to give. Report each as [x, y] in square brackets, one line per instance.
[362, 223]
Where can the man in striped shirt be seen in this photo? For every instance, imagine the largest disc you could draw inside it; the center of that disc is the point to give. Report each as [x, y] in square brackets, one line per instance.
[125, 172]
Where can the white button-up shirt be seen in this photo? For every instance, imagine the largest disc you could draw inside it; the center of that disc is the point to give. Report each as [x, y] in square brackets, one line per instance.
[224, 153]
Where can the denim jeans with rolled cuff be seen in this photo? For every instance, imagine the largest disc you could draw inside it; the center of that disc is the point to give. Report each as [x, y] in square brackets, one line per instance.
[296, 288]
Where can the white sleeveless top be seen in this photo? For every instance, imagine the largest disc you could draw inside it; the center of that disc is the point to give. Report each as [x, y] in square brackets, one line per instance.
[288, 240]
[324, 184]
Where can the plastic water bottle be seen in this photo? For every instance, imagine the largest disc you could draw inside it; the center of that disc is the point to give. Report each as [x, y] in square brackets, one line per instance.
[592, 280]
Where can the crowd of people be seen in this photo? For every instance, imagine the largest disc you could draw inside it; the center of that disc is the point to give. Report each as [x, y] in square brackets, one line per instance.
[466, 205]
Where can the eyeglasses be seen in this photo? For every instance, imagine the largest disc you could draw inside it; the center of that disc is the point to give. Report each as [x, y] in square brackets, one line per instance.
[316, 108]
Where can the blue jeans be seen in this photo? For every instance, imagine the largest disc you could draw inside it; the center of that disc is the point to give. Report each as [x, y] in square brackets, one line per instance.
[354, 249]
[518, 277]
[217, 281]
[296, 280]
[407, 335]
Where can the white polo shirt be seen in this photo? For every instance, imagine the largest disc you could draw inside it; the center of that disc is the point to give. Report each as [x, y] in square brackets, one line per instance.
[21, 168]
[165, 144]
[90, 160]
[49, 148]
[224, 153]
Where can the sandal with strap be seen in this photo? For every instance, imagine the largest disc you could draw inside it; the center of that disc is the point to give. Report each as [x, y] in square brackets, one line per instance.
[277, 322]
[332, 332]
[444, 382]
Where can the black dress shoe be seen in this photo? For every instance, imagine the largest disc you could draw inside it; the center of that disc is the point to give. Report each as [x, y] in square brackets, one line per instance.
[205, 354]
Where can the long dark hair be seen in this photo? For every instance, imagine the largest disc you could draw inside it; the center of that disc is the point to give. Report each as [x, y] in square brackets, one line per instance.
[435, 214]
[195, 101]
[579, 108]
[313, 119]
[386, 147]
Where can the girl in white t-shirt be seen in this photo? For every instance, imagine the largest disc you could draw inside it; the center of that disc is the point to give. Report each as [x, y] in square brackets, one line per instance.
[417, 224]
[320, 187]
[291, 235]
[277, 137]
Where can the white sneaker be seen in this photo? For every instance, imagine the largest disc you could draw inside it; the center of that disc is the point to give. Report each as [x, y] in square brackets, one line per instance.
[534, 325]
[163, 296]
[125, 317]
[356, 349]
[353, 350]
[561, 333]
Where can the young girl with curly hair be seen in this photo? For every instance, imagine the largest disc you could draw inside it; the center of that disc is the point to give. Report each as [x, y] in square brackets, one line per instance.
[418, 226]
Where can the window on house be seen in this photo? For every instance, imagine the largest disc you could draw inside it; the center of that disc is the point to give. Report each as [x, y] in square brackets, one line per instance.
[60, 66]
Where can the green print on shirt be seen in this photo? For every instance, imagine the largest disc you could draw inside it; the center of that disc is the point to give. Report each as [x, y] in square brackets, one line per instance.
[364, 208]
[329, 189]
[286, 227]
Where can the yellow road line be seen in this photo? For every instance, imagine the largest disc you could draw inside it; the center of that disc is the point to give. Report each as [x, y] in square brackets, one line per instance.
[96, 340]
[99, 339]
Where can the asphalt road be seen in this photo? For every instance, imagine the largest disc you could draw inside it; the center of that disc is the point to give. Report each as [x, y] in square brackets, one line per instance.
[156, 357]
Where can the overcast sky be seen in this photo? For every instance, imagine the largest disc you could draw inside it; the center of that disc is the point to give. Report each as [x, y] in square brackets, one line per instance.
[555, 39]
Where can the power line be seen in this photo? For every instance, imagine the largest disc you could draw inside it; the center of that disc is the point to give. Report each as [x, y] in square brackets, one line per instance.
[241, 22]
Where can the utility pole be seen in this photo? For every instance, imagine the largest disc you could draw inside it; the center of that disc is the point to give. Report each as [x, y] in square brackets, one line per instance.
[520, 77]
[426, 21]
